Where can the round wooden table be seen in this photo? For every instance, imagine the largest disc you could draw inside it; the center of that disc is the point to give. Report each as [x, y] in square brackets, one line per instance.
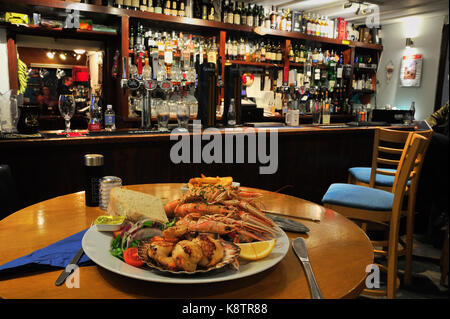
[339, 252]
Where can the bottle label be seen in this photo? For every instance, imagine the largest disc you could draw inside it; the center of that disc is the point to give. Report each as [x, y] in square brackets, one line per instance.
[168, 57]
[94, 127]
[109, 119]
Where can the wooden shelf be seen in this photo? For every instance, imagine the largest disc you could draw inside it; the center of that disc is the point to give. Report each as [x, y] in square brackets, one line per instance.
[190, 23]
[263, 64]
[60, 32]
[364, 91]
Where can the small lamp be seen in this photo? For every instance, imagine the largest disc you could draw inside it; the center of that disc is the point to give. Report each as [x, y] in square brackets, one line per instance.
[409, 43]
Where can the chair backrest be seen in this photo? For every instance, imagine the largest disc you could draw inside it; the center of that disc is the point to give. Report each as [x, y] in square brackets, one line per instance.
[388, 147]
[410, 161]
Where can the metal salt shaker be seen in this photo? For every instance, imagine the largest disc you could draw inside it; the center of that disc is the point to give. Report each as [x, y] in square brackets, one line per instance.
[106, 184]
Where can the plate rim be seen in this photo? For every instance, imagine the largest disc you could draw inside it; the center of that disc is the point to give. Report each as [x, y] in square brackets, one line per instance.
[176, 279]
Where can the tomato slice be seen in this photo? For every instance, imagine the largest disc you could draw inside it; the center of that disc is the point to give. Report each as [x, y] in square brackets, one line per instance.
[131, 257]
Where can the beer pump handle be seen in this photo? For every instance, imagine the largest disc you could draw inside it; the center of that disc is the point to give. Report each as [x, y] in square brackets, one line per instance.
[140, 54]
[124, 67]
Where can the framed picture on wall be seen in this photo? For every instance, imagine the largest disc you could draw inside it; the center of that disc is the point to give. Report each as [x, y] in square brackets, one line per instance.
[411, 70]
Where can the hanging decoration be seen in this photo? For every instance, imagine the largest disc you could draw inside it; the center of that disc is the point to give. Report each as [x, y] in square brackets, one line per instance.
[389, 71]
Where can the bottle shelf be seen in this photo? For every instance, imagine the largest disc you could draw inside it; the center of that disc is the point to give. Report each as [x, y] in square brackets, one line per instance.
[263, 64]
[48, 31]
[189, 23]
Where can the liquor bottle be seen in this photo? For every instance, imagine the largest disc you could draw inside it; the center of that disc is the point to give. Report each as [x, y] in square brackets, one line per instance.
[224, 13]
[119, 4]
[237, 14]
[316, 21]
[143, 5]
[95, 115]
[283, 21]
[273, 18]
[204, 7]
[235, 49]
[168, 55]
[308, 24]
[168, 8]
[262, 55]
[241, 50]
[230, 15]
[213, 52]
[288, 21]
[261, 16]
[228, 49]
[279, 57]
[182, 8]
[255, 13]
[135, 5]
[278, 19]
[158, 6]
[131, 41]
[211, 11]
[291, 54]
[243, 14]
[150, 6]
[174, 11]
[147, 70]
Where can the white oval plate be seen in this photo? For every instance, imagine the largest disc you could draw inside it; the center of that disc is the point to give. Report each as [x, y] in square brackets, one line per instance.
[96, 246]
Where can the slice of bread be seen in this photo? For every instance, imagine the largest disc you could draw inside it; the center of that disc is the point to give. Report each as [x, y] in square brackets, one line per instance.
[135, 205]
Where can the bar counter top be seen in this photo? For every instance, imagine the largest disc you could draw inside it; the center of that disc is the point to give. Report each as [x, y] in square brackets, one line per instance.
[138, 135]
[307, 159]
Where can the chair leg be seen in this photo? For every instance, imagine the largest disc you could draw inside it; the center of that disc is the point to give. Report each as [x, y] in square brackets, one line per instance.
[409, 241]
[392, 260]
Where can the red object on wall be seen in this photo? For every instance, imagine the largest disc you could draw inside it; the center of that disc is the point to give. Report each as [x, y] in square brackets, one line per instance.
[342, 29]
[80, 74]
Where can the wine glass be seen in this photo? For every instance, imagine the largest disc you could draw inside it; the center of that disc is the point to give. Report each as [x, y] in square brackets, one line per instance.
[66, 104]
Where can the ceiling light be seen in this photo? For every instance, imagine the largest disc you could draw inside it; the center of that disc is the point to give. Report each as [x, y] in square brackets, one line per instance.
[50, 55]
[78, 57]
[62, 56]
[79, 51]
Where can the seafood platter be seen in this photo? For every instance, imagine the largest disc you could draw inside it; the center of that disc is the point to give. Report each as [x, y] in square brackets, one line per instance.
[213, 232]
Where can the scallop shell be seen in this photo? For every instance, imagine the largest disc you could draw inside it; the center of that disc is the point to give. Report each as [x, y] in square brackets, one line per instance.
[231, 252]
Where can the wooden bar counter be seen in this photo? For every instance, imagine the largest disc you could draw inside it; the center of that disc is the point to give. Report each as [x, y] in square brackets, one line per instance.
[309, 160]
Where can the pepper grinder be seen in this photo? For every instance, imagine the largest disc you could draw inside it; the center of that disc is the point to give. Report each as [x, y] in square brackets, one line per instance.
[93, 174]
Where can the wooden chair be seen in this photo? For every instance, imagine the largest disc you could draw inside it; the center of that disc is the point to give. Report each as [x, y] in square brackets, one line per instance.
[387, 149]
[379, 206]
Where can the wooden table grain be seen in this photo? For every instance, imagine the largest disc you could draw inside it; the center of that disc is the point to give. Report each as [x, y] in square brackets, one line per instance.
[339, 253]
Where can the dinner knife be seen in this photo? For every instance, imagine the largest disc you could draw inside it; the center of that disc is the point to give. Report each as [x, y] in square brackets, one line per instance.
[265, 211]
[299, 247]
[63, 276]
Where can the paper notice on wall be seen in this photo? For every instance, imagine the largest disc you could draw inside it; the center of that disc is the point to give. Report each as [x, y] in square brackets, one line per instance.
[411, 70]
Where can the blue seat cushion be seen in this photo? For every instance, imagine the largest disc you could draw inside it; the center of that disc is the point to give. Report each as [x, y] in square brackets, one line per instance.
[363, 174]
[357, 196]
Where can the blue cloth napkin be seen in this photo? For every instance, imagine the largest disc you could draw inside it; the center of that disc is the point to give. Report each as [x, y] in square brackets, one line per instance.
[57, 255]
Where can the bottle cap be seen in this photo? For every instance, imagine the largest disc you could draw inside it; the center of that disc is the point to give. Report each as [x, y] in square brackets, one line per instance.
[93, 160]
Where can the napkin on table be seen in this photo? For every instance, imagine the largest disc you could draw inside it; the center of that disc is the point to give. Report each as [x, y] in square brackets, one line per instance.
[57, 255]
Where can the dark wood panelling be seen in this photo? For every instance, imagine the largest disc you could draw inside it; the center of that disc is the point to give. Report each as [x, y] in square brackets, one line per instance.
[308, 163]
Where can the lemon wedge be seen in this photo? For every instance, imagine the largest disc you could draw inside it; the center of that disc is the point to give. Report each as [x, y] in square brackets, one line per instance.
[257, 250]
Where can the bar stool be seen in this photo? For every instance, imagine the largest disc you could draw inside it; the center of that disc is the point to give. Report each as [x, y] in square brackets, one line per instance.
[391, 142]
[379, 206]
